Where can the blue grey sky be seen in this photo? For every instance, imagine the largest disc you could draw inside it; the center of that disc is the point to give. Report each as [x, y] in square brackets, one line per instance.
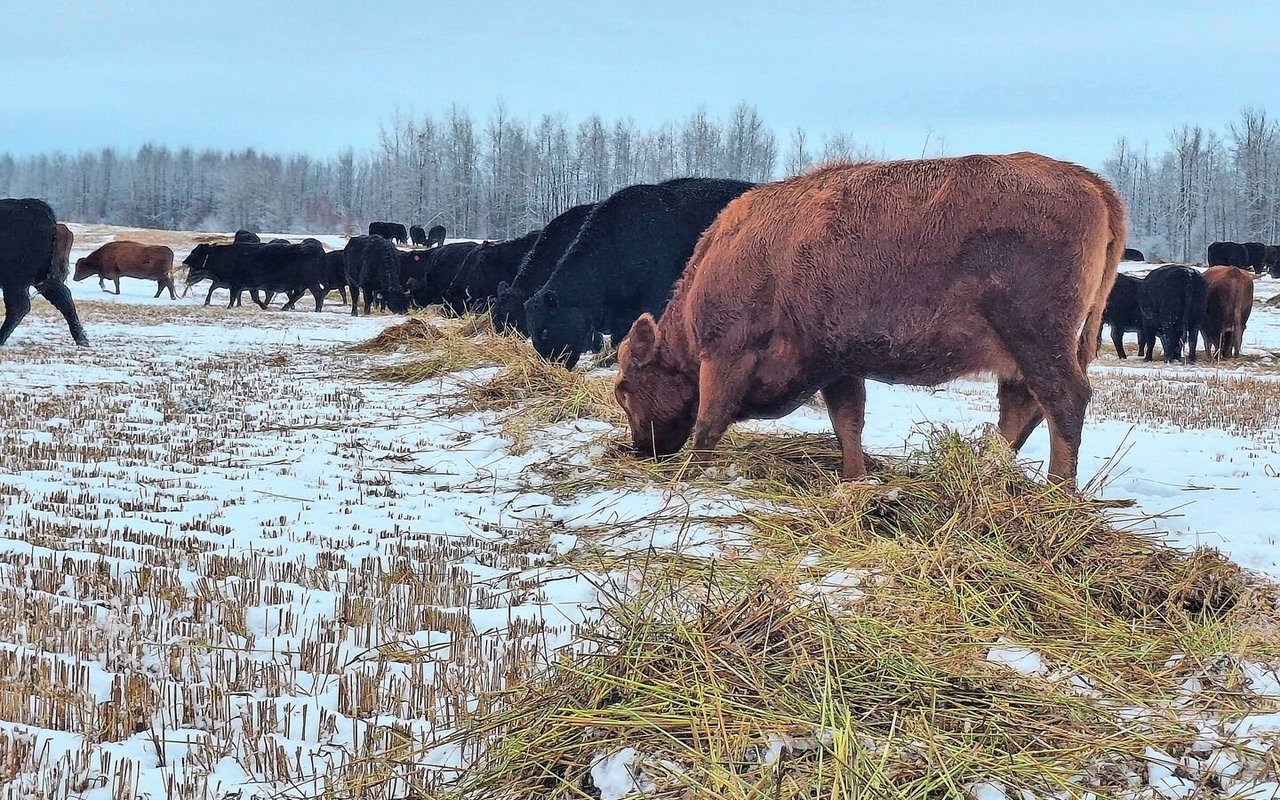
[1064, 77]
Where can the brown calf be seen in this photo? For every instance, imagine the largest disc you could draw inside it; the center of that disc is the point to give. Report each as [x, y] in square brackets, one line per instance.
[912, 272]
[1230, 301]
[116, 260]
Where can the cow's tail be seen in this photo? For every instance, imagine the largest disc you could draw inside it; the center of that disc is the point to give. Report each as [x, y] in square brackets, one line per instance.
[1091, 333]
[1188, 295]
[390, 271]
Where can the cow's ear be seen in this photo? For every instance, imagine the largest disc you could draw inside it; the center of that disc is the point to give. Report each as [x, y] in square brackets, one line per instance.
[643, 339]
[549, 299]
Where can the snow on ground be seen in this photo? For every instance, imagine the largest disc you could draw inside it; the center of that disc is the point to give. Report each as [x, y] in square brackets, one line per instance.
[231, 563]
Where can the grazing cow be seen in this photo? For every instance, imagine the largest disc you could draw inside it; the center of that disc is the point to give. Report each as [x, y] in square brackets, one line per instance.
[475, 287]
[246, 237]
[813, 284]
[1172, 300]
[1228, 254]
[435, 236]
[116, 260]
[628, 255]
[373, 267]
[392, 231]
[1122, 313]
[1133, 255]
[1257, 255]
[440, 266]
[29, 257]
[417, 236]
[536, 268]
[1229, 299]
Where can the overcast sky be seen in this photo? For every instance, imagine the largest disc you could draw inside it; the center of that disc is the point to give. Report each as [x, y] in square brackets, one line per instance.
[1064, 77]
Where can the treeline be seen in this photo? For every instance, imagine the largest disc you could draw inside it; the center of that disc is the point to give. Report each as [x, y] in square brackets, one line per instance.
[503, 175]
[1202, 187]
[496, 178]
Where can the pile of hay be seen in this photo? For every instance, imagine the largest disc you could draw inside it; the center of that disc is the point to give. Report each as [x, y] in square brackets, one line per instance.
[854, 654]
[537, 393]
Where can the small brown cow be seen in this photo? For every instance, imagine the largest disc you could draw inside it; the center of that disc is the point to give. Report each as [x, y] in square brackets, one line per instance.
[913, 272]
[1230, 296]
[116, 260]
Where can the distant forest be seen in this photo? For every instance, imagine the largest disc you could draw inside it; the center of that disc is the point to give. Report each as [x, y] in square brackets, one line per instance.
[502, 176]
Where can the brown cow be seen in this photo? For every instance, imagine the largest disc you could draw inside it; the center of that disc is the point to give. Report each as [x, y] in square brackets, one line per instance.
[1230, 301]
[63, 239]
[912, 272]
[116, 260]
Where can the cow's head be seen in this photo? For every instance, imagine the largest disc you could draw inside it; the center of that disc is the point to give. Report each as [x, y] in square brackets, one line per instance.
[83, 270]
[560, 332]
[660, 400]
[197, 264]
[396, 302]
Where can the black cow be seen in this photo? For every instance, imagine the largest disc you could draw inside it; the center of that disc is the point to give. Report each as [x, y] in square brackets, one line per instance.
[373, 267]
[246, 237]
[1273, 260]
[27, 258]
[417, 235]
[292, 269]
[211, 262]
[389, 230]
[440, 267]
[286, 241]
[624, 262]
[1172, 299]
[1122, 313]
[1229, 254]
[538, 264]
[1132, 255]
[1257, 256]
[435, 236]
[475, 287]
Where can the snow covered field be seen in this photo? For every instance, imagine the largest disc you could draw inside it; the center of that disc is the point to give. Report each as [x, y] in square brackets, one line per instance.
[230, 562]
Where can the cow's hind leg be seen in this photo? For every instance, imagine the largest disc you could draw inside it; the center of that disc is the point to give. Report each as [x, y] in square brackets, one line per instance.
[159, 289]
[318, 294]
[847, 406]
[16, 305]
[60, 297]
[1045, 354]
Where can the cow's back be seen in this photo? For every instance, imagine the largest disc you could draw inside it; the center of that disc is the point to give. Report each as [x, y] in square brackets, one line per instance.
[27, 231]
[887, 263]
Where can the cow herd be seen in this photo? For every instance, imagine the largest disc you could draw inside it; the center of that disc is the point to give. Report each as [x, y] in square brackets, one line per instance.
[1254, 256]
[1178, 304]
[730, 300]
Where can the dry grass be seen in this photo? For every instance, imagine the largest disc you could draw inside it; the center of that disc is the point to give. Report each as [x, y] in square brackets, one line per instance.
[878, 686]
